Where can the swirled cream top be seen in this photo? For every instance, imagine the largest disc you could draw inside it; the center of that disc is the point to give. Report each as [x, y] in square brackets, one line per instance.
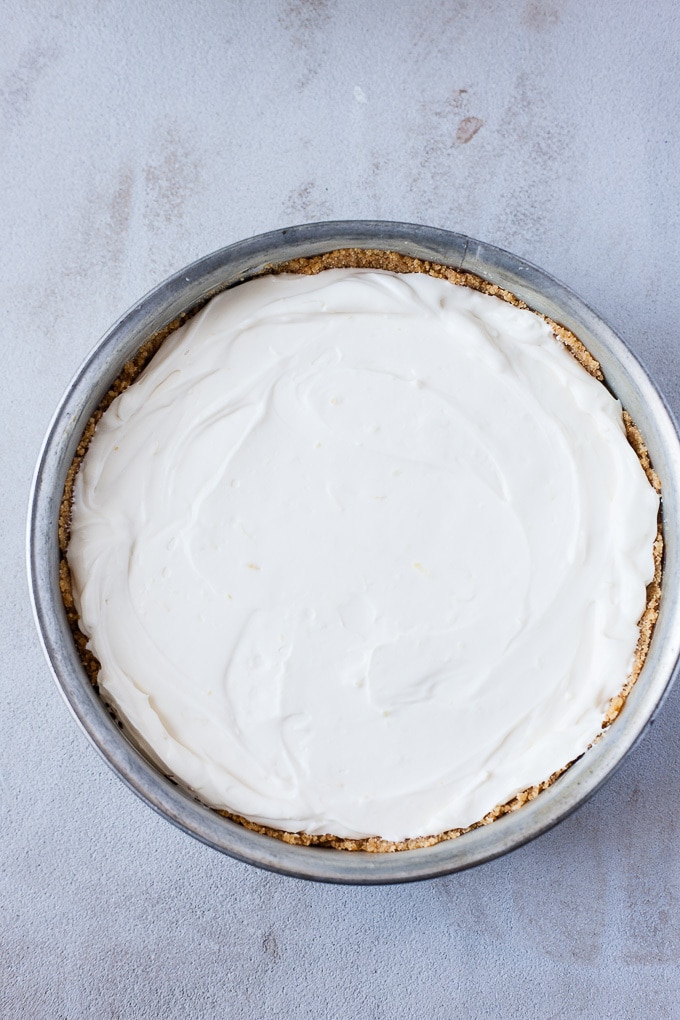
[362, 553]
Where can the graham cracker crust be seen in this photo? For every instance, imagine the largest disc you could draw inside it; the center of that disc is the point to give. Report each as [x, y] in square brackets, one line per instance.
[350, 258]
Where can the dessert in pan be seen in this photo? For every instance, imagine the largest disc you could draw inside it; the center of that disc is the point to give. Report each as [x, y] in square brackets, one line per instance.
[363, 553]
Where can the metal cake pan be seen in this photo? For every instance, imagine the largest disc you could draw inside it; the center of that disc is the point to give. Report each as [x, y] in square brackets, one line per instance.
[625, 378]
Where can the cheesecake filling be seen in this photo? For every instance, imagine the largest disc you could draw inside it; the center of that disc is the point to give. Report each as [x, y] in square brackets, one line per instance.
[362, 553]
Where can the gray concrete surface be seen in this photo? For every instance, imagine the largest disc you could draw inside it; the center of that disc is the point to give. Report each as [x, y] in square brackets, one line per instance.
[136, 137]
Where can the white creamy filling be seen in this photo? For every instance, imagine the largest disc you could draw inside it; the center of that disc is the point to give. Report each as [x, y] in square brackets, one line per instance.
[362, 553]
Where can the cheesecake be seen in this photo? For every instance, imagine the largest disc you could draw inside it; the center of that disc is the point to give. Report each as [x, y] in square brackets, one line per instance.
[363, 552]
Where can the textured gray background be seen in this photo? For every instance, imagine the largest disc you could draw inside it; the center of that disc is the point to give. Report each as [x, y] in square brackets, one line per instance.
[136, 137]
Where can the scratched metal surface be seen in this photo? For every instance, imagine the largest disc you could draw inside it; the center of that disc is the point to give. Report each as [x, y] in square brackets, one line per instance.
[136, 138]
